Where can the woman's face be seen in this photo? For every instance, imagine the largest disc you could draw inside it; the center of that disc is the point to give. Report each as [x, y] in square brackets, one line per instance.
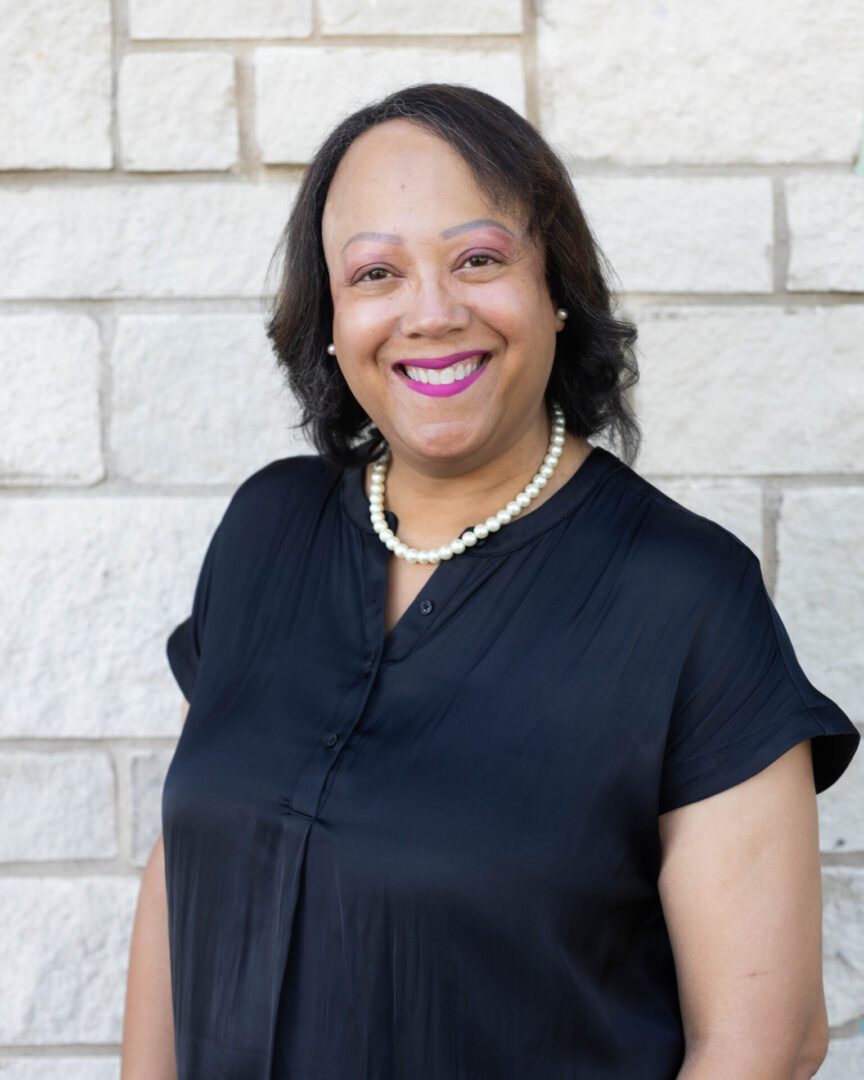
[443, 323]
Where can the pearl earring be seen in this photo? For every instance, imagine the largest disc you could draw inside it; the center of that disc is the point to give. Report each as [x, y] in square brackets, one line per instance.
[562, 313]
[331, 348]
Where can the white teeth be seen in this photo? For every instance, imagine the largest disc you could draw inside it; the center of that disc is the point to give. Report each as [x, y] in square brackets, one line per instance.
[443, 376]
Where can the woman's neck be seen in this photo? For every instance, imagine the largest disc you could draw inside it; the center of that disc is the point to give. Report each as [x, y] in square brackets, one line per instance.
[432, 510]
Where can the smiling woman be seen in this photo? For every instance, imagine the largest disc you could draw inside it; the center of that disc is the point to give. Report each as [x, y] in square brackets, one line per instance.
[499, 762]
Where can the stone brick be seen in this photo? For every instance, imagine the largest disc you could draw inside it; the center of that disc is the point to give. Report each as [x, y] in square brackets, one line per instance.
[148, 776]
[198, 399]
[841, 809]
[684, 235]
[220, 19]
[660, 83]
[91, 588]
[820, 586]
[420, 17]
[845, 1060]
[69, 1068]
[49, 408]
[287, 77]
[747, 390]
[65, 947]
[736, 505]
[826, 230]
[843, 942]
[56, 806]
[55, 84]
[178, 111]
[140, 240]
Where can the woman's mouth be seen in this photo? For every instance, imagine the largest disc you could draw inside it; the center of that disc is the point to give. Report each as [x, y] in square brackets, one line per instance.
[444, 381]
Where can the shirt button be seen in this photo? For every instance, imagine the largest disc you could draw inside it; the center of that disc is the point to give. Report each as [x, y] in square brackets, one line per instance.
[425, 607]
[331, 739]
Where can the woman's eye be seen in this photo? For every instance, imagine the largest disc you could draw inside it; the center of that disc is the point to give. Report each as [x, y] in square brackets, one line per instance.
[372, 275]
[484, 260]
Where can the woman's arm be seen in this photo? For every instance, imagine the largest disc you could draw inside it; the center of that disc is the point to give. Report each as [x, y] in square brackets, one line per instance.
[148, 1022]
[740, 885]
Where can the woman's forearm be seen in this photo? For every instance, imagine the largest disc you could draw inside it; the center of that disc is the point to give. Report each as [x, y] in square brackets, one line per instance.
[714, 1062]
[148, 1023]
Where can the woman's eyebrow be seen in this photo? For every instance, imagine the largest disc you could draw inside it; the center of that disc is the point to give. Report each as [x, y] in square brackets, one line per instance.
[454, 230]
[384, 238]
[476, 224]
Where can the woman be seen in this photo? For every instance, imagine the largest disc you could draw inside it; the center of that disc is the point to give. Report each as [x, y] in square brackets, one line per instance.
[499, 762]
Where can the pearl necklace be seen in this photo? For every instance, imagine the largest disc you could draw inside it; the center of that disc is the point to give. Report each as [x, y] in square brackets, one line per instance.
[479, 532]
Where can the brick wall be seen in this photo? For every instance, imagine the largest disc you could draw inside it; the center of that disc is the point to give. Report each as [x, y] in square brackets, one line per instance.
[150, 152]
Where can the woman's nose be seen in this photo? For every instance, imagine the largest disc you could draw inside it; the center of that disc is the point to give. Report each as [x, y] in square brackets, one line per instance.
[433, 310]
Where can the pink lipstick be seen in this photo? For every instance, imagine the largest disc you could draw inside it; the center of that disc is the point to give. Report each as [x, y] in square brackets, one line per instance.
[437, 388]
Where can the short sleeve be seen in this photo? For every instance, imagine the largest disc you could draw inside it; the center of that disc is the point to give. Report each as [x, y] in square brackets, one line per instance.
[184, 644]
[743, 700]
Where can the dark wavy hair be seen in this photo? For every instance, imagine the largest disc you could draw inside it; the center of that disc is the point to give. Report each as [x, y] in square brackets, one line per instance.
[594, 362]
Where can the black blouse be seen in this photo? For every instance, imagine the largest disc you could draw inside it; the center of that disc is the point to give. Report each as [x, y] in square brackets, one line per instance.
[433, 854]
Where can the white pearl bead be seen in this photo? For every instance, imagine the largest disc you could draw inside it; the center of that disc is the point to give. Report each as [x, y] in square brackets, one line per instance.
[532, 490]
[401, 550]
[481, 531]
[513, 508]
[551, 460]
[546, 470]
[391, 542]
[434, 557]
[445, 552]
[523, 498]
[411, 555]
[468, 538]
[493, 524]
[557, 440]
[380, 527]
[456, 546]
[504, 517]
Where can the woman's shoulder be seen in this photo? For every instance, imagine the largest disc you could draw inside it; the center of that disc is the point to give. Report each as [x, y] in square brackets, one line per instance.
[285, 489]
[674, 543]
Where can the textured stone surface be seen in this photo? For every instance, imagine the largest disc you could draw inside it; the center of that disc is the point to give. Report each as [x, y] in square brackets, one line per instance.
[49, 408]
[675, 82]
[736, 505]
[69, 1068]
[285, 77]
[841, 808]
[65, 946]
[418, 16]
[118, 240]
[91, 588]
[743, 390]
[147, 774]
[55, 65]
[220, 18]
[178, 111]
[845, 1060]
[820, 588]
[56, 806]
[826, 232]
[198, 398]
[843, 943]
[683, 235]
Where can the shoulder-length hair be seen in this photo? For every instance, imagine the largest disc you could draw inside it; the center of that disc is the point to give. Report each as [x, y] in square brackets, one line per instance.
[594, 362]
